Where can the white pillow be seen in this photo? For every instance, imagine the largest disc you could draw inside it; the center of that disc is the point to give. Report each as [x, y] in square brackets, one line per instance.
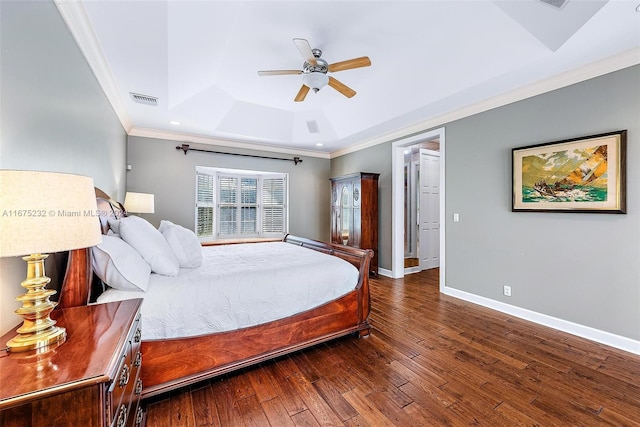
[184, 244]
[119, 265]
[150, 244]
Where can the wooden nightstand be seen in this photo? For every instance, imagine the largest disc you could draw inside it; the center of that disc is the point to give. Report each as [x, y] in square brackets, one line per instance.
[91, 380]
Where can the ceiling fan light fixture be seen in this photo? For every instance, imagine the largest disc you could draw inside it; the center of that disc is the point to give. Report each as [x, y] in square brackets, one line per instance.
[315, 80]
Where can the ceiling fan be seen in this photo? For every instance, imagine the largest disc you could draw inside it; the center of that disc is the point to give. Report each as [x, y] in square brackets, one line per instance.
[315, 71]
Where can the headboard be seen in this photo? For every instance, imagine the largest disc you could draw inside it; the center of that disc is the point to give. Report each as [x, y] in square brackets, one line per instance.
[79, 281]
[108, 208]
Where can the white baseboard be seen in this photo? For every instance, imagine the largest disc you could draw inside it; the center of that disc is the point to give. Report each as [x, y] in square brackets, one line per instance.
[602, 337]
[412, 270]
[385, 272]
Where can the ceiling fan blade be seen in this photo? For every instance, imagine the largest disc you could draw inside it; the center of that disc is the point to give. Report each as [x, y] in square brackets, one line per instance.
[342, 88]
[302, 93]
[305, 49]
[278, 72]
[363, 61]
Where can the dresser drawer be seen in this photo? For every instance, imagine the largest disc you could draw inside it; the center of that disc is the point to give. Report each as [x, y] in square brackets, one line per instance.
[135, 409]
[126, 387]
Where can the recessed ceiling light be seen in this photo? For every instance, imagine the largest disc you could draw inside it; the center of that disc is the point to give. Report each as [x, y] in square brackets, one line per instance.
[319, 144]
[174, 122]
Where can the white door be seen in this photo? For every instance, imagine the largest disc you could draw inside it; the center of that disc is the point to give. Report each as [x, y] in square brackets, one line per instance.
[429, 209]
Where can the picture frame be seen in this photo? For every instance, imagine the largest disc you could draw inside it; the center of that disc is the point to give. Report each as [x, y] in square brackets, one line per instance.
[586, 174]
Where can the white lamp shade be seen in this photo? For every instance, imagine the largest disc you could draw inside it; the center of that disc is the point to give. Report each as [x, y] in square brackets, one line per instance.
[139, 202]
[46, 212]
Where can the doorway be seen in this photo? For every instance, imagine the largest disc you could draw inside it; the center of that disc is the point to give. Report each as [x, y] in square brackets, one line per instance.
[402, 220]
[422, 206]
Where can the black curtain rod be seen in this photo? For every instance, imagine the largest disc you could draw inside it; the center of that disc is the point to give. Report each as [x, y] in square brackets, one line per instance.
[185, 148]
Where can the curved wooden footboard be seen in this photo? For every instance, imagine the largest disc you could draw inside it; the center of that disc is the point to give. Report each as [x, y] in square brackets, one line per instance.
[173, 363]
[360, 258]
[170, 364]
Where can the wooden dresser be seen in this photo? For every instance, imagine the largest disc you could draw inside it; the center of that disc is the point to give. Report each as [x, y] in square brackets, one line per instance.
[91, 380]
[354, 213]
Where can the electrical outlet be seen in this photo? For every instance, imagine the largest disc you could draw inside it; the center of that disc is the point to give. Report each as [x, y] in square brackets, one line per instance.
[507, 290]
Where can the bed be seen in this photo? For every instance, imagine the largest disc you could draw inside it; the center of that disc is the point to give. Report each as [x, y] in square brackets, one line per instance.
[207, 331]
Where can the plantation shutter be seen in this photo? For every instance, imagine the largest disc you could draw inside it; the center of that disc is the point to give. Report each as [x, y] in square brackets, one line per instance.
[228, 206]
[249, 206]
[273, 205]
[205, 204]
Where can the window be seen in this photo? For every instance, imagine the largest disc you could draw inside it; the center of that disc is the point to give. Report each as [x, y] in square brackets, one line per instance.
[239, 204]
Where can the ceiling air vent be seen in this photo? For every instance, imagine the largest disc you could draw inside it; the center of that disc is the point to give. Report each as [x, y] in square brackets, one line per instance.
[144, 99]
[558, 4]
[312, 125]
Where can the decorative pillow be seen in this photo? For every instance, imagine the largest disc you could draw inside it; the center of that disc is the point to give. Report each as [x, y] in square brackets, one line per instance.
[184, 244]
[119, 265]
[150, 244]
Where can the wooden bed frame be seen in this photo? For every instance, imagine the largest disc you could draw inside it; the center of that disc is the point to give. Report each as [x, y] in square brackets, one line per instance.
[169, 364]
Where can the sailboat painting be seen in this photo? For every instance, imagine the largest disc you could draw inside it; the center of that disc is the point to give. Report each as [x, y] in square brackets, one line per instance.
[578, 175]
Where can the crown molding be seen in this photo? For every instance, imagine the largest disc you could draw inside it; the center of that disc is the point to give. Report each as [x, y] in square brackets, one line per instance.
[222, 142]
[608, 65]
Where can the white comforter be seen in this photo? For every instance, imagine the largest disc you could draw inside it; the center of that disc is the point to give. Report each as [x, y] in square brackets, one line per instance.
[239, 286]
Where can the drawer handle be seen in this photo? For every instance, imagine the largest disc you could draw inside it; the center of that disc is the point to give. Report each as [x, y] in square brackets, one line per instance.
[138, 360]
[124, 376]
[139, 386]
[137, 336]
[122, 416]
[139, 416]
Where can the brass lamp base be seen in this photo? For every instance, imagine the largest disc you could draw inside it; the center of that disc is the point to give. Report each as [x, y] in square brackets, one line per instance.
[51, 336]
[38, 330]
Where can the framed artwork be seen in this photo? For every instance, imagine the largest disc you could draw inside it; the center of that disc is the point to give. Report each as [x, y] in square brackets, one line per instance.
[585, 174]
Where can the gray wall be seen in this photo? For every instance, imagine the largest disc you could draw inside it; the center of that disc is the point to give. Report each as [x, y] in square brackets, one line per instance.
[158, 168]
[580, 267]
[53, 116]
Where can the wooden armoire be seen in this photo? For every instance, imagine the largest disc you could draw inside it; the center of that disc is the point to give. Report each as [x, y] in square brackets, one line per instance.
[354, 212]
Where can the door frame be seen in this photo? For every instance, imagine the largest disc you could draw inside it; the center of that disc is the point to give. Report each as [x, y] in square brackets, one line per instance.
[397, 196]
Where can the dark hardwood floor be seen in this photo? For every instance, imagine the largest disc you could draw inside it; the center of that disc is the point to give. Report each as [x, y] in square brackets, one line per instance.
[430, 360]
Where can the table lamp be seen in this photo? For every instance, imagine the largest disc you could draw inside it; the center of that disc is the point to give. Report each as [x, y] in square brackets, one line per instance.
[40, 213]
[139, 202]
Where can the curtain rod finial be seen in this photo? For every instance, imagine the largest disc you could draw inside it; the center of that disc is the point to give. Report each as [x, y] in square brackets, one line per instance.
[183, 147]
[297, 160]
